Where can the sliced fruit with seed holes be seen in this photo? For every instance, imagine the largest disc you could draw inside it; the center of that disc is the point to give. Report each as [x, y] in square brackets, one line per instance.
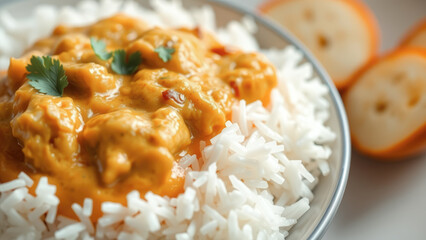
[386, 106]
[417, 36]
[342, 34]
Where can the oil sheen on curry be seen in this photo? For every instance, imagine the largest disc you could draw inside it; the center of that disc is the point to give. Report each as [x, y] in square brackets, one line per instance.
[110, 133]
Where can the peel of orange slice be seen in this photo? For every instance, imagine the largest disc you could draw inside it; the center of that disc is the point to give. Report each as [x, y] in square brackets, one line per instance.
[416, 37]
[342, 34]
[386, 106]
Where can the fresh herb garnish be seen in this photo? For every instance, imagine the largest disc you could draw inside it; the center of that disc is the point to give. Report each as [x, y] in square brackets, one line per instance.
[47, 75]
[165, 53]
[120, 64]
[125, 67]
[99, 47]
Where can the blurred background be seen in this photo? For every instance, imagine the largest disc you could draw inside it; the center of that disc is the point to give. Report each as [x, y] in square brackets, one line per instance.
[383, 200]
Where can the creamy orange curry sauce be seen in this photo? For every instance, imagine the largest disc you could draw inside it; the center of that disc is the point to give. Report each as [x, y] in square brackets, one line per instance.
[109, 133]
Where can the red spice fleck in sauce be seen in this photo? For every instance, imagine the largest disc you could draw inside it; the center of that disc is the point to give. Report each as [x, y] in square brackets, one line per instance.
[175, 96]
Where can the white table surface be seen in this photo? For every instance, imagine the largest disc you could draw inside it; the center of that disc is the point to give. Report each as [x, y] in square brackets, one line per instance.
[383, 201]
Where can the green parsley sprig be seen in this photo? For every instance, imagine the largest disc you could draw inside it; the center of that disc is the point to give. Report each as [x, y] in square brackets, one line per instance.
[47, 75]
[120, 64]
[125, 67]
[99, 47]
[165, 53]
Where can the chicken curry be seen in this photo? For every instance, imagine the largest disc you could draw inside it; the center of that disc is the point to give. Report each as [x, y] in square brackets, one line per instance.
[111, 132]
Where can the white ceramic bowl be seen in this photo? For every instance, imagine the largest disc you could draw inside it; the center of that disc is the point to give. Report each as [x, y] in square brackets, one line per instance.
[329, 191]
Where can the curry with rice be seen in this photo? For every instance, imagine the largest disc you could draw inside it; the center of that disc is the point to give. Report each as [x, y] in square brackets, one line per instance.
[131, 99]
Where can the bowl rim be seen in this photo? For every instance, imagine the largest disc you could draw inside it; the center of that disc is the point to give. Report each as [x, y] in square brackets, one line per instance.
[283, 33]
[337, 196]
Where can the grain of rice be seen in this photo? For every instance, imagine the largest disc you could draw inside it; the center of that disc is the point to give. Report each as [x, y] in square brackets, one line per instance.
[78, 210]
[14, 184]
[51, 214]
[13, 199]
[109, 220]
[183, 236]
[70, 231]
[28, 181]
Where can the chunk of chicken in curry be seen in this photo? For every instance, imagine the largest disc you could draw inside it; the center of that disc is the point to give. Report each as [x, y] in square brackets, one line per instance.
[109, 134]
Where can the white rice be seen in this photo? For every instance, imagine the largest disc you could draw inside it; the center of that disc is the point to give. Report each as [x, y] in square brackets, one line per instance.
[254, 179]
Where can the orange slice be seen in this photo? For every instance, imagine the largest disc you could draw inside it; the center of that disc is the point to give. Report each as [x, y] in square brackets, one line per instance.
[417, 36]
[386, 106]
[342, 34]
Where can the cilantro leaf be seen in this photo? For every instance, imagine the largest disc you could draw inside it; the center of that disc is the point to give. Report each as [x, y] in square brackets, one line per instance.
[125, 67]
[164, 53]
[120, 64]
[47, 75]
[99, 47]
